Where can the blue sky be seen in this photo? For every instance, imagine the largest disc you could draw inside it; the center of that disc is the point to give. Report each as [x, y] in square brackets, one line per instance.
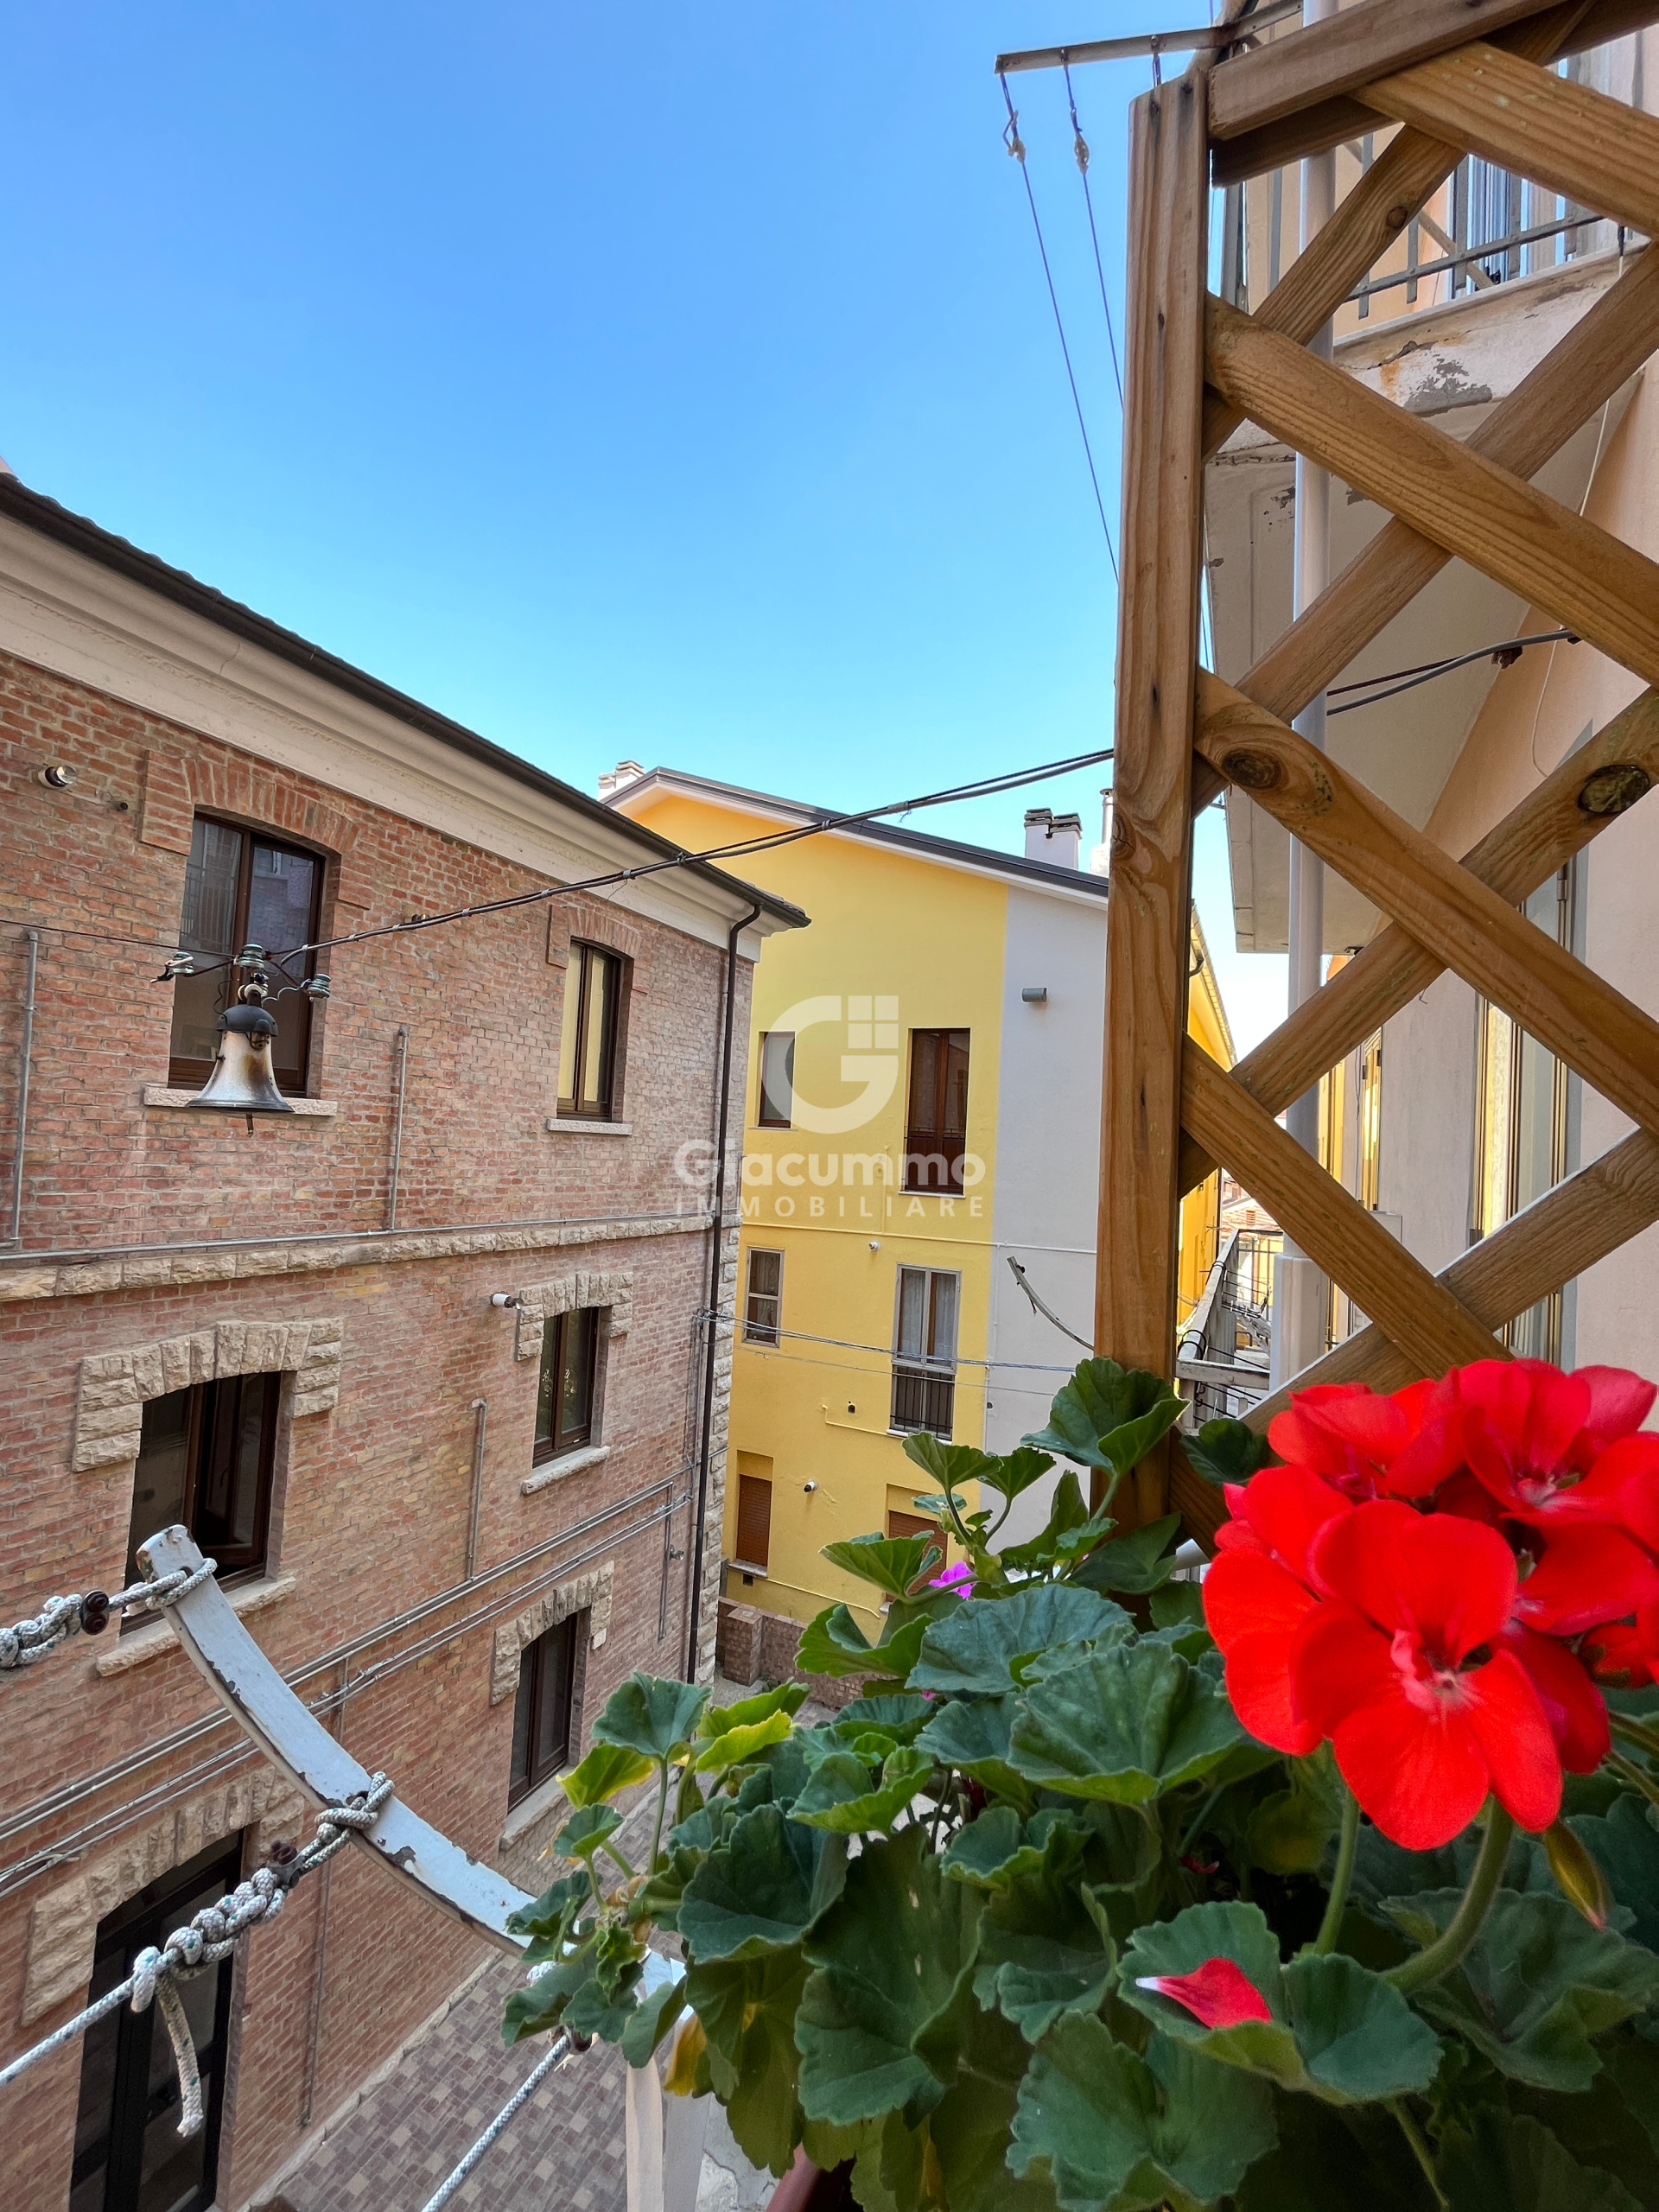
[665, 382]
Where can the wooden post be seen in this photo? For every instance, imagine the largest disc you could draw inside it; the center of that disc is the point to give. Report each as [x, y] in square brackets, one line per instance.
[1149, 928]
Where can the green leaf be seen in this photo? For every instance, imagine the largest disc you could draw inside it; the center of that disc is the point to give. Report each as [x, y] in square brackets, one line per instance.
[1178, 1605]
[1625, 1842]
[1133, 2133]
[539, 2006]
[1612, 2123]
[747, 1711]
[972, 1736]
[1066, 1512]
[748, 2009]
[735, 1746]
[901, 1718]
[607, 1769]
[1227, 1451]
[887, 1958]
[652, 2018]
[1127, 1723]
[1538, 1985]
[953, 1466]
[1508, 2164]
[555, 1912]
[1362, 2144]
[1042, 1952]
[586, 1829]
[1105, 1412]
[651, 1715]
[1288, 1832]
[1135, 1563]
[976, 1649]
[840, 1795]
[972, 2127]
[892, 1563]
[1339, 2030]
[755, 1893]
[833, 1643]
[992, 1851]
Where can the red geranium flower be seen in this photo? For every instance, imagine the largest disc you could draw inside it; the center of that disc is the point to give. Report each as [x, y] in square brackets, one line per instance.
[1256, 1596]
[1370, 1446]
[1587, 1573]
[1219, 1993]
[1532, 1432]
[1573, 1705]
[1423, 1727]
[1629, 1651]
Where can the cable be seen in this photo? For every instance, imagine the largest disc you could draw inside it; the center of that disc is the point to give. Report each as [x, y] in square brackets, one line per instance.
[1412, 678]
[1016, 147]
[1080, 151]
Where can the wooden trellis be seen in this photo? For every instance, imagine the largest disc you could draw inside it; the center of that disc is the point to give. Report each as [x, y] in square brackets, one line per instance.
[1462, 76]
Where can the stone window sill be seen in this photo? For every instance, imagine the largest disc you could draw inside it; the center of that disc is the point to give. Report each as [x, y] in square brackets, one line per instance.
[750, 1573]
[571, 1125]
[143, 1644]
[158, 1093]
[529, 1812]
[569, 1463]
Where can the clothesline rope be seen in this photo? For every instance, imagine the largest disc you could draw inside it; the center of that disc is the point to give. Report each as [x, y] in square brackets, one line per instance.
[27, 1642]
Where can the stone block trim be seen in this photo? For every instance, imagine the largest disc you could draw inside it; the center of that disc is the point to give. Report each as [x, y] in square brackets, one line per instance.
[114, 1386]
[63, 1926]
[596, 923]
[611, 1291]
[584, 1593]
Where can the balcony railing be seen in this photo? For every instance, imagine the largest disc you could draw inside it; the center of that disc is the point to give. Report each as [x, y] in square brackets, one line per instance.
[1221, 1365]
[923, 1397]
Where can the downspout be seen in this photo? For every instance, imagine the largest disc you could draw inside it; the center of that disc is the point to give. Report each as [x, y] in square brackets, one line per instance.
[718, 1237]
[400, 1045]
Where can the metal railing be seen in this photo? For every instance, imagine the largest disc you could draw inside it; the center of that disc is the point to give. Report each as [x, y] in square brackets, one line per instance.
[1221, 1361]
[923, 1398]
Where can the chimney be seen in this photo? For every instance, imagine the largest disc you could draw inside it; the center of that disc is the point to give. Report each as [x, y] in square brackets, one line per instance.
[618, 778]
[1056, 838]
[1100, 860]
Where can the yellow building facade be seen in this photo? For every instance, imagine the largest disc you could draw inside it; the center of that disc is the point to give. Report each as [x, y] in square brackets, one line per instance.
[922, 1109]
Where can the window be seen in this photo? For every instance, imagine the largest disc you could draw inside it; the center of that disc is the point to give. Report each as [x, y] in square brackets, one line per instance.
[564, 1404]
[1369, 1181]
[924, 1349]
[243, 889]
[205, 1458]
[541, 1717]
[753, 1522]
[763, 1307]
[129, 2156]
[588, 1035]
[936, 1133]
[909, 1524]
[776, 1078]
[1527, 1120]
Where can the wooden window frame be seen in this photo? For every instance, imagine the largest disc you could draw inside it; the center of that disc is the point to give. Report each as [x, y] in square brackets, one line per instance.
[185, 1073]
[757, 1332]
[766, 1101]
[606, 1107]
[582, 1322]
[923, 1146]
[559, 1646]
[239, 1562]
[924, 1384]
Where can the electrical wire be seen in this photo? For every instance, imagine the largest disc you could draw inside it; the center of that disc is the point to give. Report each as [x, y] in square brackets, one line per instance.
[1410, 678]
[1080, 152]
[1016, 146]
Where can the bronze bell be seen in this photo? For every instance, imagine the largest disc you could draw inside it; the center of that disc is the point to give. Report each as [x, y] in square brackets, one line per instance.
[242, 1081]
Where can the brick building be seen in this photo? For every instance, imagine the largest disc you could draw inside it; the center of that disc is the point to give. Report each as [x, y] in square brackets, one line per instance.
[456, 1525]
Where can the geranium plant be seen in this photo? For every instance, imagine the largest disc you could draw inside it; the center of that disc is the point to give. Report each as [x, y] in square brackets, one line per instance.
[1331, 1882]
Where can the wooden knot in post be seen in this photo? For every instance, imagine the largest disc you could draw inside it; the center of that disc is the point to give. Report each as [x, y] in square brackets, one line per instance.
[1255, 772]
[1614, 788]
[1398, 216]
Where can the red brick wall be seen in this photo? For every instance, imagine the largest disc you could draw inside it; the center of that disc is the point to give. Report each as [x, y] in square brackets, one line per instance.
[376, 1494]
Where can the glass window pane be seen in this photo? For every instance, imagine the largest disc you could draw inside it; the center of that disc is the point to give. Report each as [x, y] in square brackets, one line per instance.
[523, 1714]
[942, 1334]
[923, 1082]
[576, 1382]
[778, 1079]
[598, 1012]
[571, 1024]
[207, 923]
[955, 1082]
[544, 1393]
[913, 1312]
[553, 1731]
[159, 1480]
[766, 1272]
[280, 894]
[1492, 1188]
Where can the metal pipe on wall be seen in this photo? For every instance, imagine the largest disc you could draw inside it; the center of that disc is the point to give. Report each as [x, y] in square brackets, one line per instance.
[25, 1050]
[481, 1407]
[401, 1046]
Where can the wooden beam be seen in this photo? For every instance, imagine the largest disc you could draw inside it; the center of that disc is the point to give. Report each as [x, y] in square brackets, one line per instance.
[1149, 924]
[1343, 52]
[1423, 1319]
[1606, 347]
[1589, 579]
[1558, 1236]
[1366, 223]
[1575, 802]
[1330, 123]
[1574, 1013]
[1599, 152]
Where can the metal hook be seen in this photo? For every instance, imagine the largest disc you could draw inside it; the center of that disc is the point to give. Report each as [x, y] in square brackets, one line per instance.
[1011, 138]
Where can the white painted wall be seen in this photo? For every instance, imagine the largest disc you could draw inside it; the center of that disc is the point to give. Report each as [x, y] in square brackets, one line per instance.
[1428, 1121]
[1047, 1167]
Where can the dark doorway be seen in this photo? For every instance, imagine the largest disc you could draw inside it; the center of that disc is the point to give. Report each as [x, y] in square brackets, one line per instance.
[129, 2154]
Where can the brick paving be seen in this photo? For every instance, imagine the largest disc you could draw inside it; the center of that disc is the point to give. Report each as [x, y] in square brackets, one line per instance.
[563, 2150]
